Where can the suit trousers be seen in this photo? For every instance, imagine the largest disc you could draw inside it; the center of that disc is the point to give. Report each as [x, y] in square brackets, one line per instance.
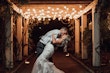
[40, 48]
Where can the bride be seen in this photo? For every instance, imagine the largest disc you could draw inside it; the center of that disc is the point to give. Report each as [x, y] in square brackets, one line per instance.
[42, 64]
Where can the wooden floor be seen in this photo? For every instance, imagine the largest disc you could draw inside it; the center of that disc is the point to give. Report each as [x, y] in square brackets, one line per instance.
[67, 64]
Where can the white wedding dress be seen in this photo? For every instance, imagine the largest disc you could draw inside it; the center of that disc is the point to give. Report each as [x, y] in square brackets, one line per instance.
[42, 64]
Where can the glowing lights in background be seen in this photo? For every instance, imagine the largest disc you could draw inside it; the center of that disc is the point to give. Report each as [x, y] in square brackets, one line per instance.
[50, 12]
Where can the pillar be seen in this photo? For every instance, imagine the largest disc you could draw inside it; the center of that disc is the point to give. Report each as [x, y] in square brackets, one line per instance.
[19, 37]
[9, 40]
[77, 37]
[83, 46]
[25, 35]
[95, 38]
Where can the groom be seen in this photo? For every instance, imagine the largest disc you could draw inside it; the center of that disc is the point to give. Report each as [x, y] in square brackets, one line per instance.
[48, 38]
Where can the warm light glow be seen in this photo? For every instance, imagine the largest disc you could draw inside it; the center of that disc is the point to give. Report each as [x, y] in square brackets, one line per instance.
[20, 10]
[27, 62]
[49, 19]
[52, 9]
[80, 11]
[65, 7]
[42, 10]
[52, 12]
[73, 9]
[48, 11]
[80, 6]
[49, 7]
[28, 9]
[57, 8]
[34, 10]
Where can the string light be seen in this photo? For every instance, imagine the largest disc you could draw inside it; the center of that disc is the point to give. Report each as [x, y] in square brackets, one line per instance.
[65, 7]
[57, 8]
[49, 7]
[50, 12]
[80, 6]
[28, 9]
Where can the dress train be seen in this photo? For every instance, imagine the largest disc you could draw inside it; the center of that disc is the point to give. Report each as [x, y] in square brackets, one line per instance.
[43, 65]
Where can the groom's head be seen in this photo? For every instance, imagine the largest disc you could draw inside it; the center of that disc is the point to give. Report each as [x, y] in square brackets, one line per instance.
[64, 31]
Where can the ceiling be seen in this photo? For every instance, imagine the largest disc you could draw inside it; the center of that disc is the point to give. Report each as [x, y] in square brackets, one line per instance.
[53, 1]
[52, 8]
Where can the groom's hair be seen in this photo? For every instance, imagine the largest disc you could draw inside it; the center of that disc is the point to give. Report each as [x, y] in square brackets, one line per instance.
[64, 28]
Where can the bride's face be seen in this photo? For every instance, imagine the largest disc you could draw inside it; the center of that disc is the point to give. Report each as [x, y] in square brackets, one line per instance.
[63, 32]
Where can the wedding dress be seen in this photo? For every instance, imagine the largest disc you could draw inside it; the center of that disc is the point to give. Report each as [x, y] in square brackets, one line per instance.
[42, 64]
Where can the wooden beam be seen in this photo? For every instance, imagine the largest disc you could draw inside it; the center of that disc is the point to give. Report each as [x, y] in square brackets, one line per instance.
[15, 8]
[59, 2]
[55, 1]
[87, 9]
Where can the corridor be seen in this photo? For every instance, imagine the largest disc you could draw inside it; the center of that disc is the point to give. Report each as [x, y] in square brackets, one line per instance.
[23, 22]
[67, 64]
